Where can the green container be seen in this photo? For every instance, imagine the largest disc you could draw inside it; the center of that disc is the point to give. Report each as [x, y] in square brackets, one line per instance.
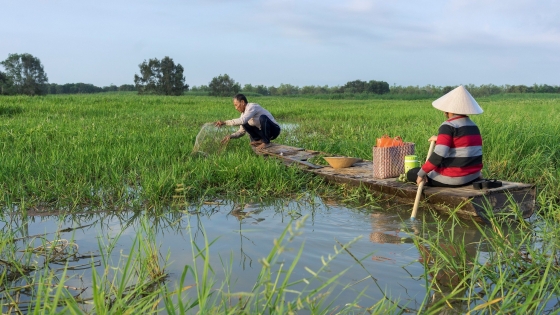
[410, 162]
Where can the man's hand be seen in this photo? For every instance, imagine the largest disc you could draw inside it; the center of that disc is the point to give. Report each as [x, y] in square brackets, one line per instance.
[219, 123]
[433, 138]
[225, 140]
[420, 179]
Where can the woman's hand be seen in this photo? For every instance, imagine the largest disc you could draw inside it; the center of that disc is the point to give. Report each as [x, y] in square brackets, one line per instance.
[420, 180]
[433, 138]
[219, 123]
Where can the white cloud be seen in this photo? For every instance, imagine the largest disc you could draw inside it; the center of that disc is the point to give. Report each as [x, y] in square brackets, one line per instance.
[458, 24]
[292, 40]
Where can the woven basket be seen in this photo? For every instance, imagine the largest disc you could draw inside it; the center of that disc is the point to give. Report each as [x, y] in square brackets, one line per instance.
[389, 161]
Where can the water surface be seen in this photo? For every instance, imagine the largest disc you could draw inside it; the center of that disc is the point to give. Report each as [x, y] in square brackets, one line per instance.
[245, 232]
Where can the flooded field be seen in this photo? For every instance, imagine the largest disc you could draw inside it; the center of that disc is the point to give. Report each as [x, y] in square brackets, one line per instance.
[297, 254]
[381, 262]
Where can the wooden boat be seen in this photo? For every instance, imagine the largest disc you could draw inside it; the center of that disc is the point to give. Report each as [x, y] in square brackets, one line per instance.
[510, 199]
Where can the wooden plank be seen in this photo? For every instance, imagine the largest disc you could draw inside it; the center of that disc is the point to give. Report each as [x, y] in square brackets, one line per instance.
[290, 155]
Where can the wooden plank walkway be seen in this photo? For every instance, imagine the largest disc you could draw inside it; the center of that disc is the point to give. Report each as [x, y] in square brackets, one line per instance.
[467, 202]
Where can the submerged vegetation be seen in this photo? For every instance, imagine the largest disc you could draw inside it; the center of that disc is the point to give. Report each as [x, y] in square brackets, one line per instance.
[115, 152]
[42, 279]
[518, 274]
[508, 270]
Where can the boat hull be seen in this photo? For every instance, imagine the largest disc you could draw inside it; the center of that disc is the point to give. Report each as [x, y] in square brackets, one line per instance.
[515, 199]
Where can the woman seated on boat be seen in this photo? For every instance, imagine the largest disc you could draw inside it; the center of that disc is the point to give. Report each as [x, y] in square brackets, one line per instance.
[255, 120]
[457, 157]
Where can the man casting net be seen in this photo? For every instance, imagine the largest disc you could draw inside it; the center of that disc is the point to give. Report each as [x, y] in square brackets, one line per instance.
[209, 139]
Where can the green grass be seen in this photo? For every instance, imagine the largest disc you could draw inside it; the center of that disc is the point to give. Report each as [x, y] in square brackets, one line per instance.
[122, 150]
[105, 150]
[520, 274]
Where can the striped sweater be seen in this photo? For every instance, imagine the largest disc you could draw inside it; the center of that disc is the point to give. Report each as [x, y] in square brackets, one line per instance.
[457, 157]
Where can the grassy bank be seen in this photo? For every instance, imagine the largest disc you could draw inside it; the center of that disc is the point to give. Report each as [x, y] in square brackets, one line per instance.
[518, 274]
[121, 150]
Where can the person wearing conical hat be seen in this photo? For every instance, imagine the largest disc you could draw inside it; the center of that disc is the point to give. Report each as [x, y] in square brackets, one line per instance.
[457, 157]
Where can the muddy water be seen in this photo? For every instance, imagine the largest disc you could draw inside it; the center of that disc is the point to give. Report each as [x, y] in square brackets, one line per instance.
[245, 232]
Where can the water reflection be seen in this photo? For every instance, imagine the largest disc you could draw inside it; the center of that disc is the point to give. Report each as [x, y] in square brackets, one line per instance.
[386, 258]
[289, 133]
[386, 229]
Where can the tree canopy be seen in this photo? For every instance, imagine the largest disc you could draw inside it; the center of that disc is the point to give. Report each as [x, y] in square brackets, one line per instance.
[24, 75]
[358, 86]
[223, 85]
[3, 82]
[86, 88]
[220, 86]
[160, 77]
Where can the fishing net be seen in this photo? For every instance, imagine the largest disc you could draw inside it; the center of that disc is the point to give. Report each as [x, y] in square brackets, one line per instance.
[209, 139]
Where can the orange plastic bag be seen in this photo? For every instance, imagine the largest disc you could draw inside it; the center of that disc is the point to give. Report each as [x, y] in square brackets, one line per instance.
[386, 141]
[397, 141]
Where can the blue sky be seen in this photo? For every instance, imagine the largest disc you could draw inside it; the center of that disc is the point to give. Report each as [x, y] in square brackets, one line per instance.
[298, 42]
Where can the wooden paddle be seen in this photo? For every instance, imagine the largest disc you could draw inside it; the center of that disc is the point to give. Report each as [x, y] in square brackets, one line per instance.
[421, 186]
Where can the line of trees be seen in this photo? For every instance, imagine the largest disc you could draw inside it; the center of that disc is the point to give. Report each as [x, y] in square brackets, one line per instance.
[83, 88]
[357, 88]
[24, 74]
[224, 85]
[475, 90]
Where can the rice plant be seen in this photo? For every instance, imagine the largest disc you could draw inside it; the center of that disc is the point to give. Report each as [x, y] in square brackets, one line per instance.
[131, 151]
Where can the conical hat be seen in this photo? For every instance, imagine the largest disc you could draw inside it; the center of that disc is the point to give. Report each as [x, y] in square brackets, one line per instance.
[458, 101]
